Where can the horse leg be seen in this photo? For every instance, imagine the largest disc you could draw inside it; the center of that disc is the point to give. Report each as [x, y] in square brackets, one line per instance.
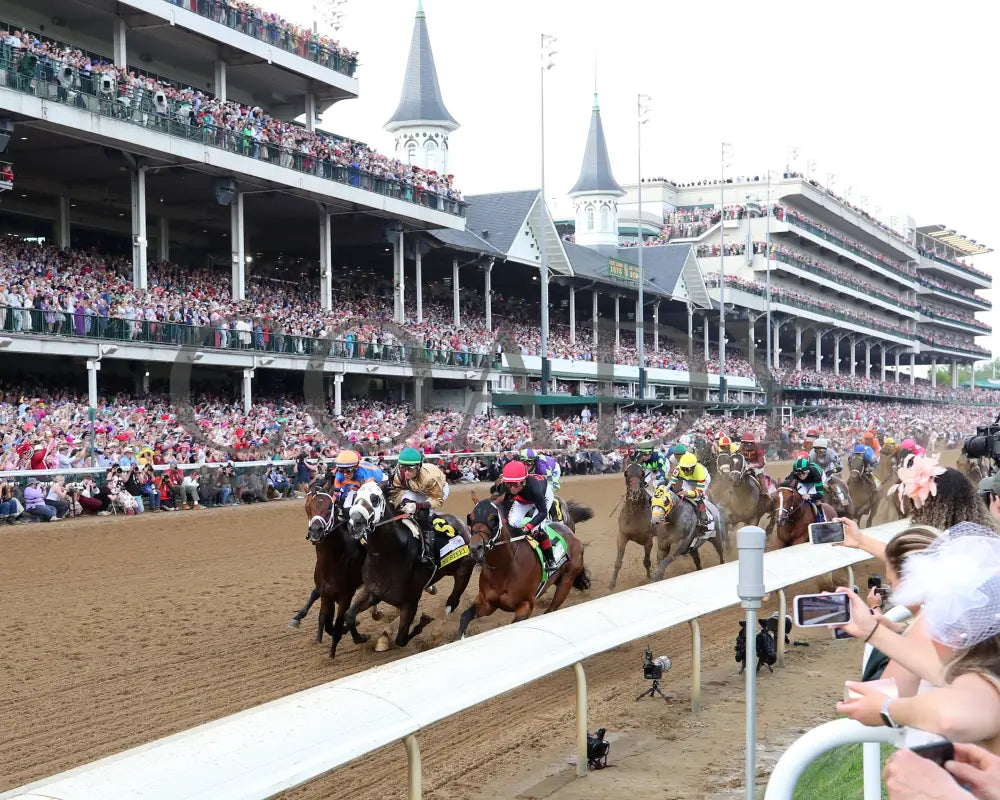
[481, 607]
[646, 560]
[622, 541]
[365, 600]
[523, 611]
[301, 613]
[718, 544]
[696, 558]
[462, 577]
[563, 585]
[406, 615]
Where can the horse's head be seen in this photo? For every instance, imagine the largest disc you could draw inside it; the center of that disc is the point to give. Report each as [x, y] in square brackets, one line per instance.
[367, 510]
[663, 505]
[634, 474]
[320, 508]
[486, 525]
[783, 504]
[856, 463]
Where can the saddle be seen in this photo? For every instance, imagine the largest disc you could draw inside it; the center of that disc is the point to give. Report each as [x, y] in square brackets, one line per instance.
[560, 552]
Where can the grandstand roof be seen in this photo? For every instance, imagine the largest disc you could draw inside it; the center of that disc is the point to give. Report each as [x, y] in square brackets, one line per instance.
[421, 99]
[595, 174]
[662, 265]
[963, 244]
[498, 217]
[465, 240]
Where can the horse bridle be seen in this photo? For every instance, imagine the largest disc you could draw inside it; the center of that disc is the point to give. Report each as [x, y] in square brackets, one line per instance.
[785, 514]
[327, 521]
[493, 540]
[634, 496]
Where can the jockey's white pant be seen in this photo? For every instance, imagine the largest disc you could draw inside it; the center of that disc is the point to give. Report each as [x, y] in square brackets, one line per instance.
[807, 491]
[523, 512]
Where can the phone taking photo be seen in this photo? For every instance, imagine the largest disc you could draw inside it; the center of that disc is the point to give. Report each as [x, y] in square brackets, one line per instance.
[813, 610]
[938, 752]
[826, 532]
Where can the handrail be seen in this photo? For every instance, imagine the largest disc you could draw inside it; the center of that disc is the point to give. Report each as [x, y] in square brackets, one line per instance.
[858, 286]
[282, 744]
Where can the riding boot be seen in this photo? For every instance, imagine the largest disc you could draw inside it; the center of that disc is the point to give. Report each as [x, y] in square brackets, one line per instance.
[550, 562]
[427, 546]
[702, 516]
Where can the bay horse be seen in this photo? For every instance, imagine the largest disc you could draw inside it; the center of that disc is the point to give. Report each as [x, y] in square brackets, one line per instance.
[971, 468]
[840, 496]
[791, 516]
[511, 577]
[634, 520]
[737, 492]
[337, 576]
[393, 571]
[864, 490]
[679, 531]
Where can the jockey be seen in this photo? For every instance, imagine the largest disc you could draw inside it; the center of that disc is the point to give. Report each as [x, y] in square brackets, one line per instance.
[674, 455]
[811, 436]
[756, 458]
[825, 457]
[417, 488]
[350, 473]
[869, 459]
[871, 440]
[725, 445]
[689, 479]
[889, 447]
[809, 478]
[527, 500]
[652, 461]
[548, 468]
[907, 448]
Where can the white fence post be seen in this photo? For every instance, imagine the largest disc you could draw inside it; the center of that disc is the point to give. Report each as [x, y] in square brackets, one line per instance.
[581, 720]
[695, 666]
[414, 768]
[780, 633]
[850, 578]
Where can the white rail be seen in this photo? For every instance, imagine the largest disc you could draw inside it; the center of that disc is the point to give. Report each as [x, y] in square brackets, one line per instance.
[262, 751]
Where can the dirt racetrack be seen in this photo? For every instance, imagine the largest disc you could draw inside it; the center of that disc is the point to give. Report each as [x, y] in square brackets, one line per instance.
[117, 631]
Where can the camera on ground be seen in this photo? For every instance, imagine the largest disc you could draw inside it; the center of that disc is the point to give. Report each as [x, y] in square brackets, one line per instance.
[653, 668]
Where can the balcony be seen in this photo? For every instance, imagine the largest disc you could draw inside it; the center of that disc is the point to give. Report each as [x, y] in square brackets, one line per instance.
[970, 299]
[953, 269]
[976, 328]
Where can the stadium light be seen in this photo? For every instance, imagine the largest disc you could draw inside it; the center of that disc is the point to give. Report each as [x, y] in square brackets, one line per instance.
[725, 152]
[197, 356]
[643, 109]
[109, 349]
[548, 52]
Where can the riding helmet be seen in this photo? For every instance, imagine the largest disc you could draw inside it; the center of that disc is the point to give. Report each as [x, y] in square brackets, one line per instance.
[528, 454]
[410, 457]
[678, 450]
[800, 465]
[821, 444]
[688, 462]
[515, 472]
[646, 446]
[725, 441]
[347, 459]
[748, 438]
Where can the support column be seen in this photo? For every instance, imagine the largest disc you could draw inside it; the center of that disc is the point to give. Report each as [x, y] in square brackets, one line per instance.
[853, 359]
[594, 324]
[690, 363]
[752, 341]
[913, 368]
[138, 186]
[798, 348]
[93, 367]
[120, 39]
[325, 260]
[310, 112]
[247, 384]
[705, 332]
[456, 311]
[418, 394]
[897, 367]
[163, 241]
[489, 296]
[338, 394]
[954, 374]
[836, 354]
[884, 364]
[776, 340]
[819, 351]
[400, 254]
[220, 80]
[236, 238]
[142, 379]
[868, 360]
[420, 288]
[618, 328]
[934, 371]
[656, 327]
[62, 224]
[572, 315]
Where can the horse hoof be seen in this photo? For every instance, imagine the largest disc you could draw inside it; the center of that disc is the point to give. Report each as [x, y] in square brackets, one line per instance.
[377, 615]
[448, 610]
[431, 590]
[425, 619]
[293, 623]
[383, 642]
[362, 638]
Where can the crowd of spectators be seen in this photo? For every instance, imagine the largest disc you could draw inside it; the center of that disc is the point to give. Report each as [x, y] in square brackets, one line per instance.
[946, 286]
[938, 256]
[845, 383]
[45, 67]
[934, 308]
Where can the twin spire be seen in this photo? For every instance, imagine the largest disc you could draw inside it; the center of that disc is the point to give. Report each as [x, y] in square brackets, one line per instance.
[595, 174]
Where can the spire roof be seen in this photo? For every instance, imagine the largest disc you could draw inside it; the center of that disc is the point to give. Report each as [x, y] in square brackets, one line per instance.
[595, 174]
[421, 99]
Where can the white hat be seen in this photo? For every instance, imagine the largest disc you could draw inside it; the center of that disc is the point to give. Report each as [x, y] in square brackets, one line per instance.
[821, 443]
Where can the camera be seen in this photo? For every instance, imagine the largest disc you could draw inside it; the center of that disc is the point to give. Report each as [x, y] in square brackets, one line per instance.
[653, 668]
[874, 581]
[597, 749]
[986, 442]
[107, 85]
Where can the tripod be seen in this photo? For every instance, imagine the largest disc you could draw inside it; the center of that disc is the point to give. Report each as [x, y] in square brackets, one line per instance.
[652, 691]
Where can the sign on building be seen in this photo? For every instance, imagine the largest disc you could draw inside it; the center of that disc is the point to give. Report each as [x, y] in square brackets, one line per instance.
[623, 270]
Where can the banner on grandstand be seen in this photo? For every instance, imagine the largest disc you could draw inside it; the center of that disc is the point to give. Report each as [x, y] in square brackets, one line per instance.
[623, 270]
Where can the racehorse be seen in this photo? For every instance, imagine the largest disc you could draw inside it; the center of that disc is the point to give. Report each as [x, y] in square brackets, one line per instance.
[339, 560]
[791, 516]
[393, 571]
[679, 530]
[634, 520]
[511, 577]
[737, 492]
[971, 468]
[840, 496]
[864, 491]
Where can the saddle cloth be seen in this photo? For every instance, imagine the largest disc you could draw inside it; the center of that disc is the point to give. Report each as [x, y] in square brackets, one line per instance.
[448, 545]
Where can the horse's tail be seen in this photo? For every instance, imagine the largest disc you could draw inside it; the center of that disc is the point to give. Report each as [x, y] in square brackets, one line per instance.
[578, 512]
[582, 580]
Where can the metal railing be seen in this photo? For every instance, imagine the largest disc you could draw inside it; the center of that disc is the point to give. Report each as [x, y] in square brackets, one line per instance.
[260, 752]
[833, 277]
[846, 245]
[99, 94]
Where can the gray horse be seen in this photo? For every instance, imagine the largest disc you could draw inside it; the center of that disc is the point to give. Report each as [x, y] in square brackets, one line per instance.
[679, 532]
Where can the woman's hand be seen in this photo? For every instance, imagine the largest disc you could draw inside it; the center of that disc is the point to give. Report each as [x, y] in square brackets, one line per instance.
[867, 709]
[912, 777]
[978, 769]
[874, 600]
[863, 620]
[853, 537]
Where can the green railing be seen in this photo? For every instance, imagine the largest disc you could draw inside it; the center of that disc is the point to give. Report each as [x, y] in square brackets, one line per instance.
[987, 305]
[253, 22]
[47, 322]
[28, 74]
[972, 271]
[838, 279]
[845, 245]
[979, 326]
[878, 394]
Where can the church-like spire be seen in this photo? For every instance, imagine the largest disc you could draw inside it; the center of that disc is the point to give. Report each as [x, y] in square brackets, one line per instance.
[421, 100]
[595, 174]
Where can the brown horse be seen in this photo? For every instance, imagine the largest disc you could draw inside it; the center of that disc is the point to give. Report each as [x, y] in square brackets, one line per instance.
[791, 516]
[634, 520]
[511, 577]
[971, 468]
[337, 576]
[863, 489]
[738, 493]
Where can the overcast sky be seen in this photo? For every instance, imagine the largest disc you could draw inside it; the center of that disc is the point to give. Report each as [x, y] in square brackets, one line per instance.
[895, 98]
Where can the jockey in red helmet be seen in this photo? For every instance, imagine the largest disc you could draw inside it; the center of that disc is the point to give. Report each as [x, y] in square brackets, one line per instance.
[526, 504]
[756, 460]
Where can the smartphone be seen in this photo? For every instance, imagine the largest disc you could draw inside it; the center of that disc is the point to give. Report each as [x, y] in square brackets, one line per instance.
[840, 633]
[881, 591]
[938, 752]
[826, 532]
[874, 581]
[822, 609]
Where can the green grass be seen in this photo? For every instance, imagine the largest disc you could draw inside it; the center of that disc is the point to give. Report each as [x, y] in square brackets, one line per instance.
[836, 775]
